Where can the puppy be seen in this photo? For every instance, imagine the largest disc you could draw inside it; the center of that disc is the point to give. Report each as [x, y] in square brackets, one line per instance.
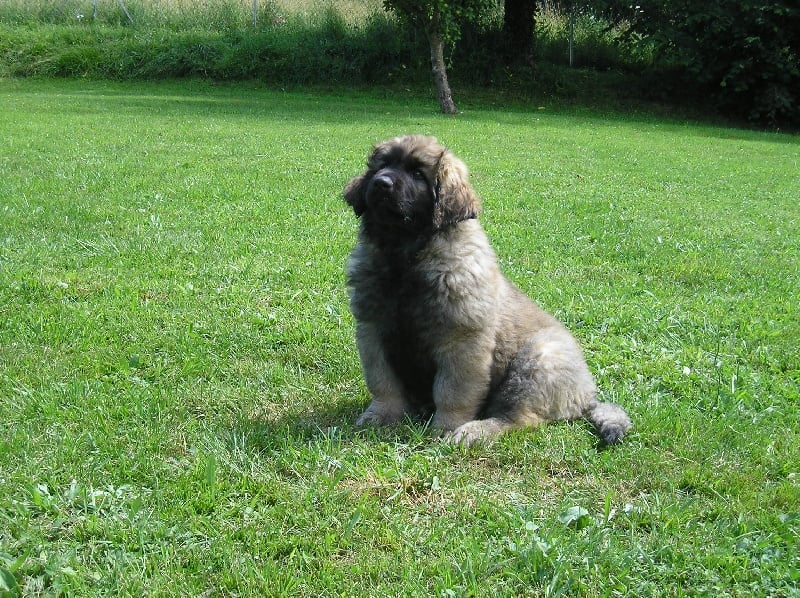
[440, 331]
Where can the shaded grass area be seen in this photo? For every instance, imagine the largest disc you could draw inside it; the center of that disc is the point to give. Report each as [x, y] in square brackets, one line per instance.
[178, 378]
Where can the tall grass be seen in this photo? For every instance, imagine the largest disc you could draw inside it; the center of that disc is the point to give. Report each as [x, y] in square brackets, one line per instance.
[295, 49]
[182, 15]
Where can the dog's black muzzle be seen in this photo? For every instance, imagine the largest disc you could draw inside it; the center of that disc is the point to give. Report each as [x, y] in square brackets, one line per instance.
[382, 183]
[392, 196]
[383, 193]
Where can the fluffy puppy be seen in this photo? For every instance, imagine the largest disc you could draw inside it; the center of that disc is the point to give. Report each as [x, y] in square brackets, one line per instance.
[439, 329]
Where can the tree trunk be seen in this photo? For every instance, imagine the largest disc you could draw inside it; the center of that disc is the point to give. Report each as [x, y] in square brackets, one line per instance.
[440, 73]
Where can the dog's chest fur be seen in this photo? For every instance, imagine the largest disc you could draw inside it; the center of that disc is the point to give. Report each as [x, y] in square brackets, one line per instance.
[413, 298]
[393, 293]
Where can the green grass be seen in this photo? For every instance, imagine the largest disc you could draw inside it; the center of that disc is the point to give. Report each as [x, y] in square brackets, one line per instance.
[178, 378]
[208, 15]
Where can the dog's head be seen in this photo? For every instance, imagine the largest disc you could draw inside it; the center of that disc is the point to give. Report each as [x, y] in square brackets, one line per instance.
[413, 183]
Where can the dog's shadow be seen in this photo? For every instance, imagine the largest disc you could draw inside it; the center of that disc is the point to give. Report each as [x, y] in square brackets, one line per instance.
[291, 428]
[263, 433]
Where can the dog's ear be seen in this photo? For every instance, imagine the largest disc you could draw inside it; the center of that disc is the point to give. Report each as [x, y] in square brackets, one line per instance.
[354, 194]
[456, 200]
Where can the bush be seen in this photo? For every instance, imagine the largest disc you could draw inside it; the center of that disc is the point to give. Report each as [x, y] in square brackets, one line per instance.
[744, 55]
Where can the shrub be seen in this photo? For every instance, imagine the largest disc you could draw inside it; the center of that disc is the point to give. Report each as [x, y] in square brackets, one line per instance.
[744, 55]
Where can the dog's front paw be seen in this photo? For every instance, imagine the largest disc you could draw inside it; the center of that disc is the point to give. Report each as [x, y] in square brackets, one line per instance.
[379, 415]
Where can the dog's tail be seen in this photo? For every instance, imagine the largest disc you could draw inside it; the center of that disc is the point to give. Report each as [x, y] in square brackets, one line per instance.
[610, 420]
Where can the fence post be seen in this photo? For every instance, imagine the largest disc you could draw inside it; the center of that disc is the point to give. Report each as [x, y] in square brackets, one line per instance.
[571, 33]
[125, 10]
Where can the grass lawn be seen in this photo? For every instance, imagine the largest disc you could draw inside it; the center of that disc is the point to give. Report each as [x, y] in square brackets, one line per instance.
[178, 375]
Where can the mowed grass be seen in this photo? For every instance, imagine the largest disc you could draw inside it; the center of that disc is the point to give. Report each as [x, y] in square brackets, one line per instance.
[178, 377]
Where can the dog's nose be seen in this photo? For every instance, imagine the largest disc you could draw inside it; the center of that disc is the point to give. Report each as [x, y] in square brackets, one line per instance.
[383, 181]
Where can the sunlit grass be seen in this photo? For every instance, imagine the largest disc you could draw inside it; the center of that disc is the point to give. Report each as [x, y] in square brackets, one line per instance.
[178, 377]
